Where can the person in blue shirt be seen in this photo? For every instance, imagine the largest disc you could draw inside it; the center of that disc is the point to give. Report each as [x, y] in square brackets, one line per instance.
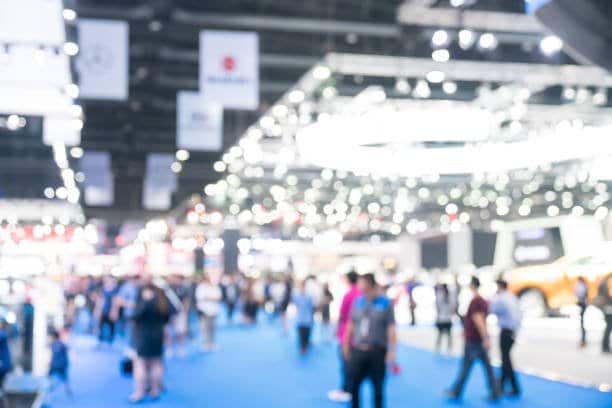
[6, 362]
[304, 305]
[58, 368]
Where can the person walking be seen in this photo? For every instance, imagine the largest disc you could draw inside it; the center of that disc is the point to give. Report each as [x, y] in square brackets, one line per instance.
[603, 300]
[477, 344]
[410, 286]
[126, 300]
[151, 314]
[105, 309]
[445, 310]
[506, 307]
[6, 361]
[370, 340]
[231, 294]
[208, 298]
[326, 301]
[344, 393]
[58, 367]
[581, 290]
[304, 306]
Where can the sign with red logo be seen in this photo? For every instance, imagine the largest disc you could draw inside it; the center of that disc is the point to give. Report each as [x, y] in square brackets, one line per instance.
[229, 69]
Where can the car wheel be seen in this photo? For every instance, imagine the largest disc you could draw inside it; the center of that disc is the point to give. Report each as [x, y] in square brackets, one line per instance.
[533, 303]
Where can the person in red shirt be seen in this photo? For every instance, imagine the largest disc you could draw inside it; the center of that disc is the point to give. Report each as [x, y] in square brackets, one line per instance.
[343, 394]
[477, 344]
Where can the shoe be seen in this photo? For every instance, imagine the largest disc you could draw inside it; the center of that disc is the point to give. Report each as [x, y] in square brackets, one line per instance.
[339, 396]
[451, 394]
[512, 394]
[136, 399]
[493, 398]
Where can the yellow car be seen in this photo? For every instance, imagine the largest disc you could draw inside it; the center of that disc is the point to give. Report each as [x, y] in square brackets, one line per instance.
[543, 289]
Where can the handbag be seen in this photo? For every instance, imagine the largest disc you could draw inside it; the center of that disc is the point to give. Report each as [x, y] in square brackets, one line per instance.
[126, 367]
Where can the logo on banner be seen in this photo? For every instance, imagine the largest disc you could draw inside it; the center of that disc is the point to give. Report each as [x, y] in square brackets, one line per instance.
[99, 58]
[229, 63]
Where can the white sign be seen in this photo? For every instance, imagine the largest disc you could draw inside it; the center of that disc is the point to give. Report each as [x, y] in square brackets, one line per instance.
[159, 182]
[99, 182]
[229, 68]
[64, 129]
[103, 59]
[199, 125]
[34, 22]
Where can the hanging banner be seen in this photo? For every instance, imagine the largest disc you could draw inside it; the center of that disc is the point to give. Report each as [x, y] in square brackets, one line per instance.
[33, 22]
[64, 129]
[99, 183]
[159, 182]
[229, 68]
[103, 59]
[199, 125]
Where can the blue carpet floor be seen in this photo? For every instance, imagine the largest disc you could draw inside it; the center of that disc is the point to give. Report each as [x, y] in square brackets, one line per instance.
[257, 367]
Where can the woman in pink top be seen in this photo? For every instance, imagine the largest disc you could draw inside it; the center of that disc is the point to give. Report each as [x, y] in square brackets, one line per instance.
[343, 394]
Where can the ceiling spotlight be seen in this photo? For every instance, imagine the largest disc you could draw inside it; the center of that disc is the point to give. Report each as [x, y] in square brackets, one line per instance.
[487, 41]
[280, 111]
[71, 48]
[266, 122]
[402, 86]
[321, 72]
[182, 155]
[12, 122]
[76, 110]
[569, 93]
[219, 166]
[466, 38]
[441, 55]
[422, 90]
[329, 92]
[582, 95]
[49, 192]
[600, 98]
[155, 26]
[72, 90]
[69, 14]
[449, 87]
[76, 152]
[550, 45]
[296, 96]
[457, 3]
[436, 77]
[439, 38]
[176, 167]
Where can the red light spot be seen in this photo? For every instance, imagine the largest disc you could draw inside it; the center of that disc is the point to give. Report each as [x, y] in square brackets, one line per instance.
[229, 64]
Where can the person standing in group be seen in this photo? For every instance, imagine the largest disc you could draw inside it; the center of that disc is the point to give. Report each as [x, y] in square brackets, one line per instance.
[344, 393]
[410, 286]
[603, 300]
[326, 300]
[6, 362]
[231, 294]
[285, 301]
[477, 344]
[208, 298]
[126, 299]
[370, 339]
[58, 368]
[105, 309]
[581, 290]
[151, 314]
[304, 306]
[180, 321]
[506, 307]
[445, 310]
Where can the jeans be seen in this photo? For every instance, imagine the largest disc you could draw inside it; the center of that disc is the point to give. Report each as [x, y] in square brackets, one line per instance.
[106, 321]
[506, 341]
[304, 337]
[605, 346]
[583, 307]
[368, 364]
[344, 371]
[472, 352]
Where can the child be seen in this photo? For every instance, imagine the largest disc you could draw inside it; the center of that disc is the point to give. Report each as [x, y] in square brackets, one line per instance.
[58, 369]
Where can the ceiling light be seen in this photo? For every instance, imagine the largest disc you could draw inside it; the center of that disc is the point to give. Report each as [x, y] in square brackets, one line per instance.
[76, 110]
[441, 55]
[329, 92]
[321, 72]
[449, 87]
[49, 192]
[176, 167]
[69, 14]
[72, 90]
[71, 48]
[600, 98]
[219, 166]
[12, 122]
[457, 3]
[76, 152]
[422, 89]
[280, 111]
[439, 38]
[182, 155]
[266, 122]
[552, 211]
[155, 26]
[550, 45]
[487, 41]
[436, 77]
[402, 85]
[582, 95]
[61, 193]
[569, 93]
[296, 96]
[466, 38]
[255, 133]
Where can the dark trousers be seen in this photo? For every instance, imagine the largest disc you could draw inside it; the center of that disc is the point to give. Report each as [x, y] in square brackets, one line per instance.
[367, 364]
[444, 329]
[344, 372]
[605, 346]
[230, 311]
[106, 321]
[473, 352]
[583, 307]
[506, 341]
[304, 337]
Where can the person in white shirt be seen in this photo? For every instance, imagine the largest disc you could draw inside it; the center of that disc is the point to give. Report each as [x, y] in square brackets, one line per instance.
[506, 307]
[208, 302]
[445, 308]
